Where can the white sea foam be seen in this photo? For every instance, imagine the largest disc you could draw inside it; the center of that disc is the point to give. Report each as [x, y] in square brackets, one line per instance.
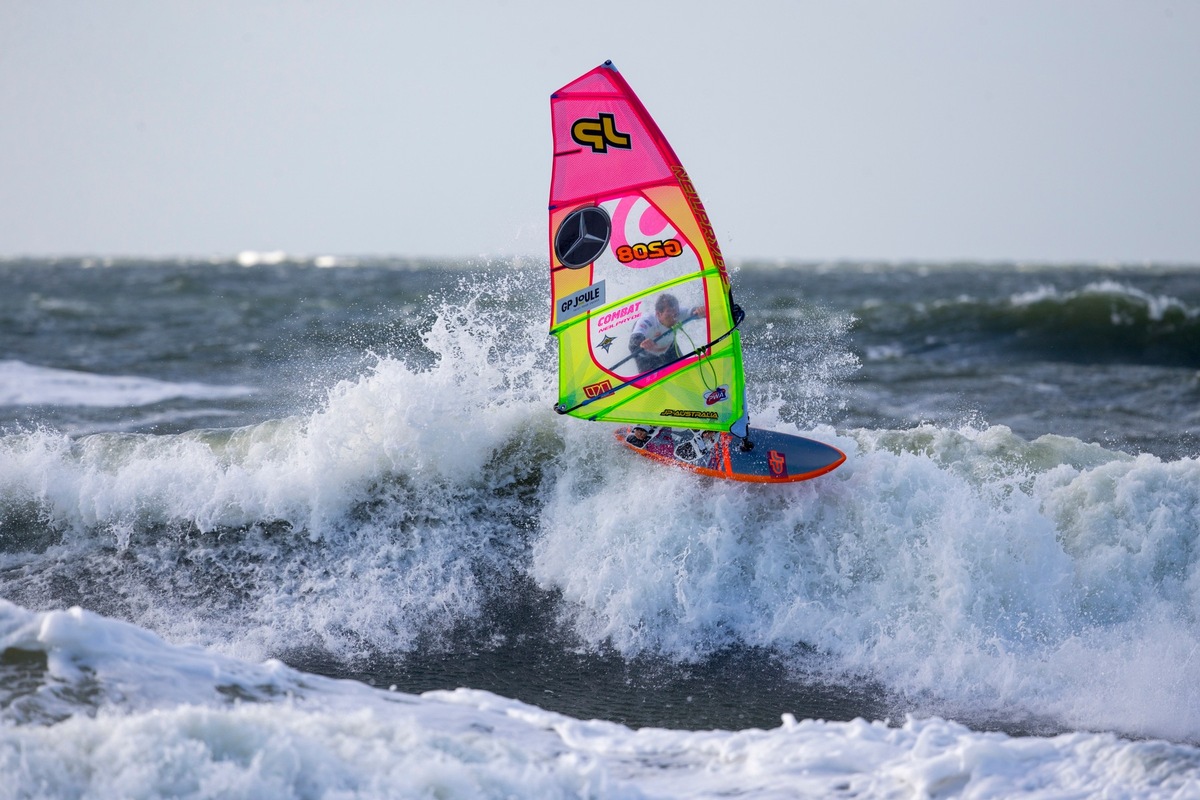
[141, 718]
[396, 475]
[27, 384]
[972, 573]
[1157, 306]
[969, 570]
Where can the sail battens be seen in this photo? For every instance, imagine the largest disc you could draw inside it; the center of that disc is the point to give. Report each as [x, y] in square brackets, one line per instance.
[622, 301]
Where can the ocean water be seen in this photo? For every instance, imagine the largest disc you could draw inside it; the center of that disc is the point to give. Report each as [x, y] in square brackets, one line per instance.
[278, 527]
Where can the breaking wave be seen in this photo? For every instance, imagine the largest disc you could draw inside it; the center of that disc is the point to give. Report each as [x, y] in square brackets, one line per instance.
[969, 571]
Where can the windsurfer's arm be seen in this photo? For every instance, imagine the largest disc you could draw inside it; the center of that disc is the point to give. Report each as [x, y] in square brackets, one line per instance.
[651, 346]
[641, 339]
[654, 346]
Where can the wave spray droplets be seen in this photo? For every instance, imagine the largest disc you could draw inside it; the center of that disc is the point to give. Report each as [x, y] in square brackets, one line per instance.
[948, 570]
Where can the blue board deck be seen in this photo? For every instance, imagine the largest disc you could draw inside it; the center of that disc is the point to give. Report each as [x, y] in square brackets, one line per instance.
[775, 457]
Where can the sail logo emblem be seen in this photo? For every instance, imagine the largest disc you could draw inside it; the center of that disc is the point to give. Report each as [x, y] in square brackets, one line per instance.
[582, 236]
[777, 462]
[597, 389]
[607, 342]
[619, 317]
[600, 134]
[580, 302]
[716, 395]
[687, 413]
[641, 251]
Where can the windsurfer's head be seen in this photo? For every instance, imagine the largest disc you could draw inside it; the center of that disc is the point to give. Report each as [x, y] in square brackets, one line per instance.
[666, 307]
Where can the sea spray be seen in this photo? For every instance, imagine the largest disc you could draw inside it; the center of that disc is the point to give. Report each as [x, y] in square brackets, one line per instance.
[354, 529]
[1001, 546]
[957, 567]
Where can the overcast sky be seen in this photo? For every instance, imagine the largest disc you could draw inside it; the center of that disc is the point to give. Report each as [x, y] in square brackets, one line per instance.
[944, 129]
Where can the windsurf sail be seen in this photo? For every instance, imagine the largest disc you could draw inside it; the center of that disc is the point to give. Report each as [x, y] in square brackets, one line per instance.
[641, 300]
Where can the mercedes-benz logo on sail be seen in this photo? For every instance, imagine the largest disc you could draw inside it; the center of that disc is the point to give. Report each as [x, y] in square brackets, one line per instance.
[582, 236]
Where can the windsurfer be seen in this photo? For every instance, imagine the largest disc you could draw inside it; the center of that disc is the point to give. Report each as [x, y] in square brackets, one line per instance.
[652, 342]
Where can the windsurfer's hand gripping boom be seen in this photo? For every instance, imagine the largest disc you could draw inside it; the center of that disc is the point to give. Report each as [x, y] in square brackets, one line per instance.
[652, 341]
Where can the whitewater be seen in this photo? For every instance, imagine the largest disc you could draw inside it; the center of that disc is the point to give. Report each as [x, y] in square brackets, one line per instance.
[285, 530]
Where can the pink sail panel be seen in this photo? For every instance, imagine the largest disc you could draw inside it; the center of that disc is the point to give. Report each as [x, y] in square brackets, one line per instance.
[586, 124]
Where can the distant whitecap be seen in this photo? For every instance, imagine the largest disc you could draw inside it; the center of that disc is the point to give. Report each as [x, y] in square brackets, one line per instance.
[31, 385]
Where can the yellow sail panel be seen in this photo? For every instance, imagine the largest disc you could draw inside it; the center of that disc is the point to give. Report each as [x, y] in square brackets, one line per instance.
[640, 299]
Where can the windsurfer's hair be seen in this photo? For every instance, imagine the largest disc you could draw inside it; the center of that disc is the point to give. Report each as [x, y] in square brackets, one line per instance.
[666, 301]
